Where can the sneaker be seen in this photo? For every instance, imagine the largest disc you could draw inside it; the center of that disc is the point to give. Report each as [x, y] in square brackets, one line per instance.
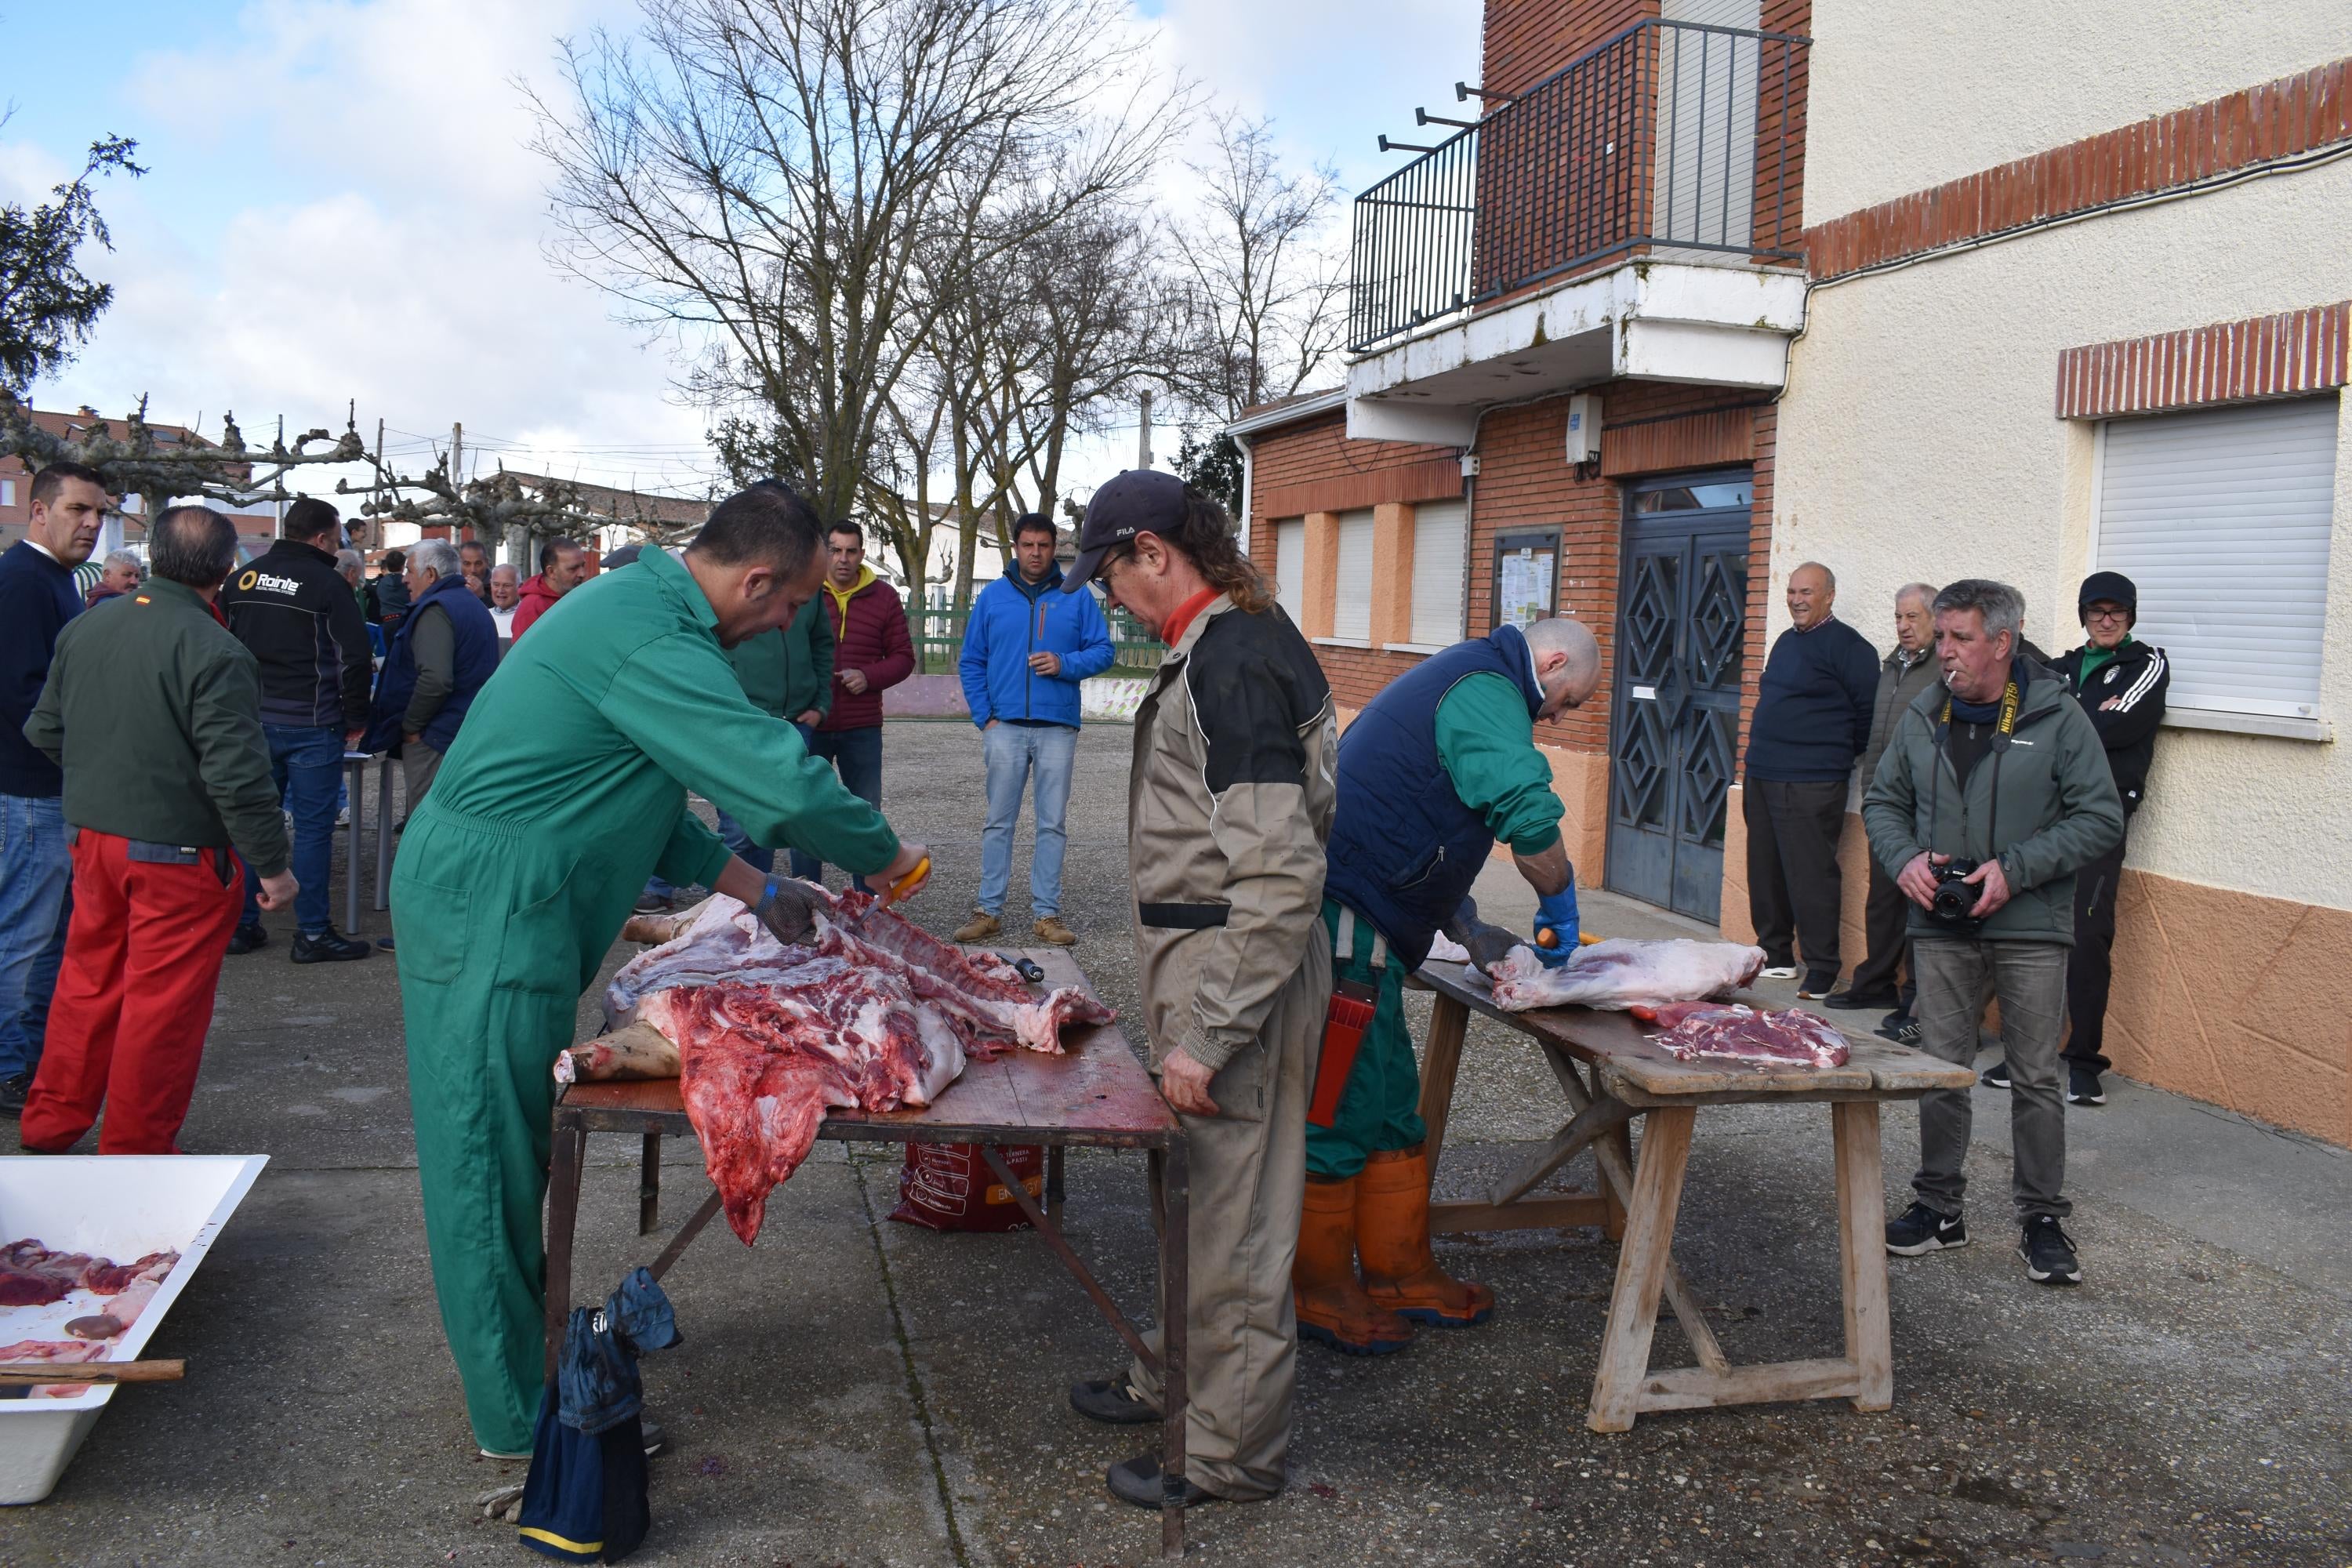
[980, 928]
[2049, 1252]
[1816, 986]
[2082, 1087]
[13, 1090]
[1051, 929]
[1113, 1401]
[1920, 1229]
[385, 944]
[1860, 999]
[1777, 972]
[244, 939]
[1905, 1033]
[330, 946]
[343, 817]
[1997, 1075]
[650, 904]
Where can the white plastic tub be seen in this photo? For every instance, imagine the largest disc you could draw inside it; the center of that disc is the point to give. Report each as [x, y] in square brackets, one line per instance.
[119, 1206]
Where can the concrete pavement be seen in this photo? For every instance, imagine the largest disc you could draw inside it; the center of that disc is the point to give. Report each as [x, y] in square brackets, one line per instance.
[856, 1392]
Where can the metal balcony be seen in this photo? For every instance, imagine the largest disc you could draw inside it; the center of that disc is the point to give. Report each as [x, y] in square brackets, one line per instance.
[1670, 137]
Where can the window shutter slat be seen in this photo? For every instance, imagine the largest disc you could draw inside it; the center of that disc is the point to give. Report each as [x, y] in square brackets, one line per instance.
[1437, 534]
[1352, 615]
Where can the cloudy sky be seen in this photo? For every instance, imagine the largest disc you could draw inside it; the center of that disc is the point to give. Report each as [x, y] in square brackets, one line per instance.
[341, 206]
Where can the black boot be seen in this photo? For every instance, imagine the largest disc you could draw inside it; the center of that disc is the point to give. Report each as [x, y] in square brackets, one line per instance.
[244, 939]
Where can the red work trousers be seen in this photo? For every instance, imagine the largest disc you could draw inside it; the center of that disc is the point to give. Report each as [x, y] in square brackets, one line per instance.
[135, 999]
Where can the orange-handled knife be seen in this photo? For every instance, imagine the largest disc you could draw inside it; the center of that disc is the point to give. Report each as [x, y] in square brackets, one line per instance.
[909, 882]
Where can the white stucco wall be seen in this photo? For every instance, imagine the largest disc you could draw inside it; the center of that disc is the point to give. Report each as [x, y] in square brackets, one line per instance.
[1906, 95]
[1917, 441]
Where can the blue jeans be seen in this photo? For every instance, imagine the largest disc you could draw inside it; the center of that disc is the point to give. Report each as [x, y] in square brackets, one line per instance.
[307, 765]
[856, 755]
[36, 898]
[1014, 752]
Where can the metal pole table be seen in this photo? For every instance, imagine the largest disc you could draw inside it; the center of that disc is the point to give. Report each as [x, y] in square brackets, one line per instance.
[1095, 1094]
[355, 785]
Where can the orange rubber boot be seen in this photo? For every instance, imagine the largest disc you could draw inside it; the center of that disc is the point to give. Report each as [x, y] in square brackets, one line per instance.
[1332, 1305]
[1401, 1272]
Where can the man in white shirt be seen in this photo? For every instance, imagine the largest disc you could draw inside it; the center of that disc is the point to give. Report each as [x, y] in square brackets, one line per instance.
[506, 597]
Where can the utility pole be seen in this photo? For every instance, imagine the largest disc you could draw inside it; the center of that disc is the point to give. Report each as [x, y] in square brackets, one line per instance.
[374, 533]
[279, 484]
[1143, 444]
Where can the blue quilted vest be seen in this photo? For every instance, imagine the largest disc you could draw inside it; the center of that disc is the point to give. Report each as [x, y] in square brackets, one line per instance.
[475, 638]
[1404, 850]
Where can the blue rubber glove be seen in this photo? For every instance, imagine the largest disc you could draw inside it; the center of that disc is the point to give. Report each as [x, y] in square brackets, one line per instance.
[1557, 912]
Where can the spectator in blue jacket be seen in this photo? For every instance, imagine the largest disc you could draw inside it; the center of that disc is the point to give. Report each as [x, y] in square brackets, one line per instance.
[1811, 721]
[1026, 649]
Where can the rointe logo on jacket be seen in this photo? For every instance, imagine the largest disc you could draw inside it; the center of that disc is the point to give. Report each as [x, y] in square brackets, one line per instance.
[264, 580]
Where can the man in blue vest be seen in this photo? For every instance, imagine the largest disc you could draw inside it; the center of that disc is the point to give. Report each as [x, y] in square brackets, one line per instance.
[1434, 770]
[440, 654]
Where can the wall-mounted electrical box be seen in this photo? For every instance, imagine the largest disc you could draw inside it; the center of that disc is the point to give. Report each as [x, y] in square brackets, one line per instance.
[1584, 428]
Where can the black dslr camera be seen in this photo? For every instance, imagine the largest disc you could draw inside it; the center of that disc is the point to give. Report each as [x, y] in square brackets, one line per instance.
[1955, 895]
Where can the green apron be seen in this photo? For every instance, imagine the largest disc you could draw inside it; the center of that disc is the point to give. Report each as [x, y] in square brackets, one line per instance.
[564, 792]
[1380, 1108]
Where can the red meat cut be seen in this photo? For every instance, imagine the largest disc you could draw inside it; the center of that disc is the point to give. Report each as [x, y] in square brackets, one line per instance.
[872, 1014]
[1794, 1038]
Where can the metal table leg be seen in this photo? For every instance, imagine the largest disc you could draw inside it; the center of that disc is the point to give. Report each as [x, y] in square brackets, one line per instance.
[355, 786]
[1175, 1294]
[383, 833]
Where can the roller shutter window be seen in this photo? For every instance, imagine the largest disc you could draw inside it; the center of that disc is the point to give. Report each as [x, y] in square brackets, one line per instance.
[1290, 566]
[1351, 613]
[2221, 519]
[1437, 528]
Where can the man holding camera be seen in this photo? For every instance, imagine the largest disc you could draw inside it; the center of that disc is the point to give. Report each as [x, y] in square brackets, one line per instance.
[1994, 791]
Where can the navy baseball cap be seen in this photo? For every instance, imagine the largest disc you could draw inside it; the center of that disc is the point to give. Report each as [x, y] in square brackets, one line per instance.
[1138, 500]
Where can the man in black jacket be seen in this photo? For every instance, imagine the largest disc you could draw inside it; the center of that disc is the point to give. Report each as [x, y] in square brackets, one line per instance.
[1813, 719]
[2120, 683]
[292, 608]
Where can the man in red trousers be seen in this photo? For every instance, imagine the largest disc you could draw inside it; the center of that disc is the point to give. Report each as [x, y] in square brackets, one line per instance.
[153, 711]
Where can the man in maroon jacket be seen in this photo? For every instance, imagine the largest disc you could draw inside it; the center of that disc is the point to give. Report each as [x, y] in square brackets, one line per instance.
[872, 653]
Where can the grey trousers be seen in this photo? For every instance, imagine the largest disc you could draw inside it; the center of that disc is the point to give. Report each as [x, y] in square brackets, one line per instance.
[1249, 1187]
[418, 765]
[2030, 978]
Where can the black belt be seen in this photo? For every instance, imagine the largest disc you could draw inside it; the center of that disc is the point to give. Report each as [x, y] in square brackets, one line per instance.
[1182, 917]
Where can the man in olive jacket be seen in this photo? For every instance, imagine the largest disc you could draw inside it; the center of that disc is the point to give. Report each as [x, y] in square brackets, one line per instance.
[153, 711]
[2000, 766]
[787, 672]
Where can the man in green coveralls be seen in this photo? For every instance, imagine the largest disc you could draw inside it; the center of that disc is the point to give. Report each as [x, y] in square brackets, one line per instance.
[1436, 768]
[565, 790]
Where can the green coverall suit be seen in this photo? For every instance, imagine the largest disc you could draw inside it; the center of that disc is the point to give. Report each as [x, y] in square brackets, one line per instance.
[1487, 743]
[565, 789]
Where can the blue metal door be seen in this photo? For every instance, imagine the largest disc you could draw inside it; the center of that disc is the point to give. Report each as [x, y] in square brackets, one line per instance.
[1681, 621]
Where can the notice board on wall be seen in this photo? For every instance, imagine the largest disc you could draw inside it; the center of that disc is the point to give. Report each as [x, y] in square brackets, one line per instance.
[1527, 576]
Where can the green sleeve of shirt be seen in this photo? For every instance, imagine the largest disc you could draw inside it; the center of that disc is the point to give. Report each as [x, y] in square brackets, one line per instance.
[676, 700]
[1487, 743]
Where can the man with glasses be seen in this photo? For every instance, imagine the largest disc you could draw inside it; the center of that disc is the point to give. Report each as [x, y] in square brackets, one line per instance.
[2120, 683]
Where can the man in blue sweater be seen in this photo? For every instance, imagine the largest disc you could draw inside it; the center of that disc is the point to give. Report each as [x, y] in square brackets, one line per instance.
[1026, 649]
[1812, 718]
[37, 599]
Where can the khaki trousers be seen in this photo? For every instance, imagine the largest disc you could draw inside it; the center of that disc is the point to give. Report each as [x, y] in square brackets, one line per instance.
[1248, 1187]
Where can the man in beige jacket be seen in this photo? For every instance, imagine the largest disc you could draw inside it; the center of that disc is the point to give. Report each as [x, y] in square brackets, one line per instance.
[1229, 807]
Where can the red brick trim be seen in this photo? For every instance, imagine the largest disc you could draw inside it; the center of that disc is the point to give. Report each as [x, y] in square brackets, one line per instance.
[1695, 441]
[2277, 120]
[1433, 479]
[2230, 362]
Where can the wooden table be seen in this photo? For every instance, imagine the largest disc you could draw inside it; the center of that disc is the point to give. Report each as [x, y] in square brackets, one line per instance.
[1095, 1094]
[1611, 1072]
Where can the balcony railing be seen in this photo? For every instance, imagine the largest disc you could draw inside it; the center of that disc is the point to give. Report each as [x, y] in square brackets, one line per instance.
[1671, 137]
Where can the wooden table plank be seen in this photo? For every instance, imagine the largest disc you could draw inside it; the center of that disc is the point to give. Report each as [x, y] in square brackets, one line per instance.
[1095, 1092]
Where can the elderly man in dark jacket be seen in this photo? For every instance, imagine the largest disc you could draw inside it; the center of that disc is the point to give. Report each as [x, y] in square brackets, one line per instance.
[1999, 769]
[1813, 719]
[1878, 980]
[442, 653]
[153, 712]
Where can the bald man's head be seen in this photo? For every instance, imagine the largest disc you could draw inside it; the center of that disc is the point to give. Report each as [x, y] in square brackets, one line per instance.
[1568, 663]
[1812, 589]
